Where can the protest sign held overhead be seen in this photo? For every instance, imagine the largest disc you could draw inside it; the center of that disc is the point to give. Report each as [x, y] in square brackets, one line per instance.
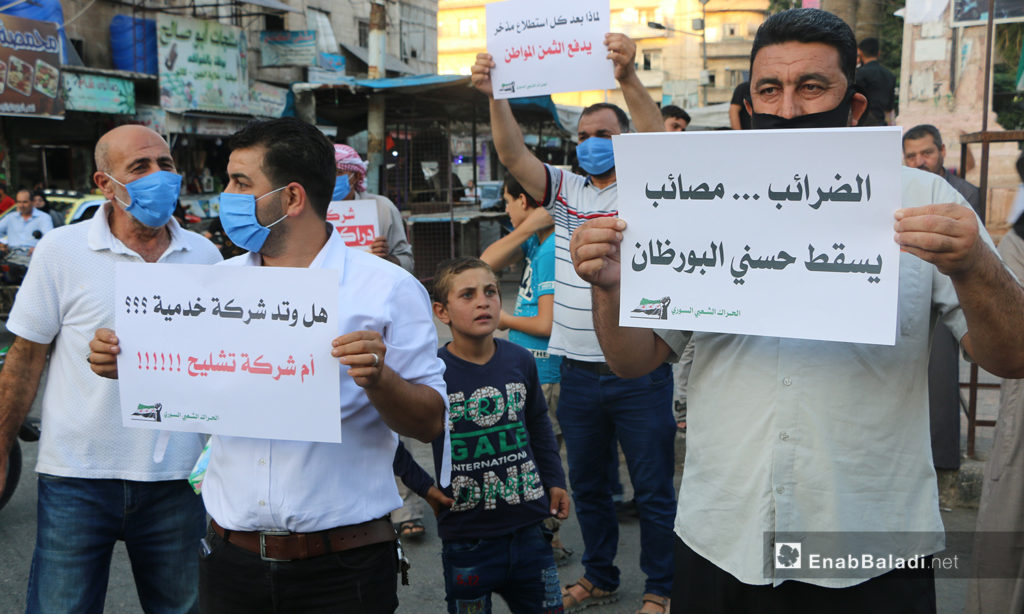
[793, 237]
[544, 48]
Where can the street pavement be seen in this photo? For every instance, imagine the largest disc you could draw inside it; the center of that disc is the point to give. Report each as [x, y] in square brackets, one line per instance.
[425, 594]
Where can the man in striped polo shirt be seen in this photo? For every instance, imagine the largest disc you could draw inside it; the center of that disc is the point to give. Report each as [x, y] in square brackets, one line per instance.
[596, 406]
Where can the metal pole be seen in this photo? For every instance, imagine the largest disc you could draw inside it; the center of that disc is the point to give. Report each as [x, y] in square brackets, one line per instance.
[704, 50]
[972, 395]
[376, 113]
[983, 184]
[476, 178]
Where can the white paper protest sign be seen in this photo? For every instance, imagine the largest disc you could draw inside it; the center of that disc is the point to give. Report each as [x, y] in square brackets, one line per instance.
[229, 350]
[356, 221]
[540, 47]
[785, 233]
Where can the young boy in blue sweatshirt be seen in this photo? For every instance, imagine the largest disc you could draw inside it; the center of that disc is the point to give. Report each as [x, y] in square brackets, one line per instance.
[506, 472]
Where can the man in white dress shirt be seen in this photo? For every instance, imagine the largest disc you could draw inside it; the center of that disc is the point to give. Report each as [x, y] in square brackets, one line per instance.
[299, 526]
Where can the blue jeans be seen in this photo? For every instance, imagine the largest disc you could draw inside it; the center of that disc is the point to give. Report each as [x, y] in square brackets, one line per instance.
[638, 412]
[518, 566]
[79, 520]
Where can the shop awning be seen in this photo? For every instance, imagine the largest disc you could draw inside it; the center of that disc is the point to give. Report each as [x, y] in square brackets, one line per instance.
[564, 117]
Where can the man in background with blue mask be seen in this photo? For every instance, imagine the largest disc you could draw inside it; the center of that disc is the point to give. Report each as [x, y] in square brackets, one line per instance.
[391, 243]
[98, 481]
[295, 526]
[596, 407]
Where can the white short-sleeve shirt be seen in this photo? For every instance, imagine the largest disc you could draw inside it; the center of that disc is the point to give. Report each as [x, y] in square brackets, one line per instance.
[67, 294]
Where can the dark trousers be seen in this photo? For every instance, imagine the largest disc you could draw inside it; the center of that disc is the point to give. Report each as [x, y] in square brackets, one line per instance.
[701, 587]
[944, 398]
[359, 581]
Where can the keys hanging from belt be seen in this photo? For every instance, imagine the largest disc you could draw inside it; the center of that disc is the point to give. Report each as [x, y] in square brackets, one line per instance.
[403, 562]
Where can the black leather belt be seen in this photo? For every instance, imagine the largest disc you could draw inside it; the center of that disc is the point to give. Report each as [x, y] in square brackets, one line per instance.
[285, 546]
[598, 368]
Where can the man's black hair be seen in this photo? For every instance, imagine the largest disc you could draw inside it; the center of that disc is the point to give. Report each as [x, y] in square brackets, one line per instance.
[676, 112]
[809, 26]
[922, 130]
[869, 47]
[295, 151]
[619, 114]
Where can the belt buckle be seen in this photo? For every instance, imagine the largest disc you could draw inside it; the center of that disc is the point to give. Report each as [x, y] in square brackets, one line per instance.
[263, 545]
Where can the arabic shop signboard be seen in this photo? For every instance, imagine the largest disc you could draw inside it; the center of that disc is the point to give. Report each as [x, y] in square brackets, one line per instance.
[540, 47]
[267, 100]
[228, 350]
[203, 65]
[99, 94]
[328, 77]
[30, 68]
[786, 233]
[356, 221]
[288, 48]
[152, 117]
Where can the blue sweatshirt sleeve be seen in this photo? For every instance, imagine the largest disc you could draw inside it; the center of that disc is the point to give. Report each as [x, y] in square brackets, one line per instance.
[410, 472]
[542, 436]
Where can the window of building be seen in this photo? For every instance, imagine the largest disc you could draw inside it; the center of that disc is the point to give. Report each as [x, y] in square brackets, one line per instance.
[418, 33]
[730, 30]
[616, 20]
[273, 22]
[363, 32]
[648, 14]
[735, 77]
[468, 27]
[651, 60]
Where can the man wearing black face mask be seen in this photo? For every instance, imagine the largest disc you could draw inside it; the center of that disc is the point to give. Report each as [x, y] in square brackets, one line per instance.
[596, 407]
[833, 437]
[98, 481]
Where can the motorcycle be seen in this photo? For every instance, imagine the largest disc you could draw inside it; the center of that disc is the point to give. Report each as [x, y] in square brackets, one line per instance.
[28, 432]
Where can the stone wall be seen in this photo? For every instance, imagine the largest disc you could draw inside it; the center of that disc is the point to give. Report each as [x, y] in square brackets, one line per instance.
[942, 83]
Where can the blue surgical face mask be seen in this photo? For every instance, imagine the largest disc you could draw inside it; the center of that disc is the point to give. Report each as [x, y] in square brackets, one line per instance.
[596, 155]
[153, 197]
[238, 217]
[341, 187]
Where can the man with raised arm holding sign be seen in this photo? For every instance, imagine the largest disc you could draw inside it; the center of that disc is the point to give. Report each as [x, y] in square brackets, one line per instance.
[814, 437]
[596, 406]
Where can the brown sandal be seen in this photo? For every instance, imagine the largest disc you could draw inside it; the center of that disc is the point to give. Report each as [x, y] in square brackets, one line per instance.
[657, 600]
[594, 596]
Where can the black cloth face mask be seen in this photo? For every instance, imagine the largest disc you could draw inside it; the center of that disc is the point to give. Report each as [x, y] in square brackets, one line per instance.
[834, 118]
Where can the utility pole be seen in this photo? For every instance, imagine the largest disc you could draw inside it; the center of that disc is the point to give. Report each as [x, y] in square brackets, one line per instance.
[704, 50]
[378, 44]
